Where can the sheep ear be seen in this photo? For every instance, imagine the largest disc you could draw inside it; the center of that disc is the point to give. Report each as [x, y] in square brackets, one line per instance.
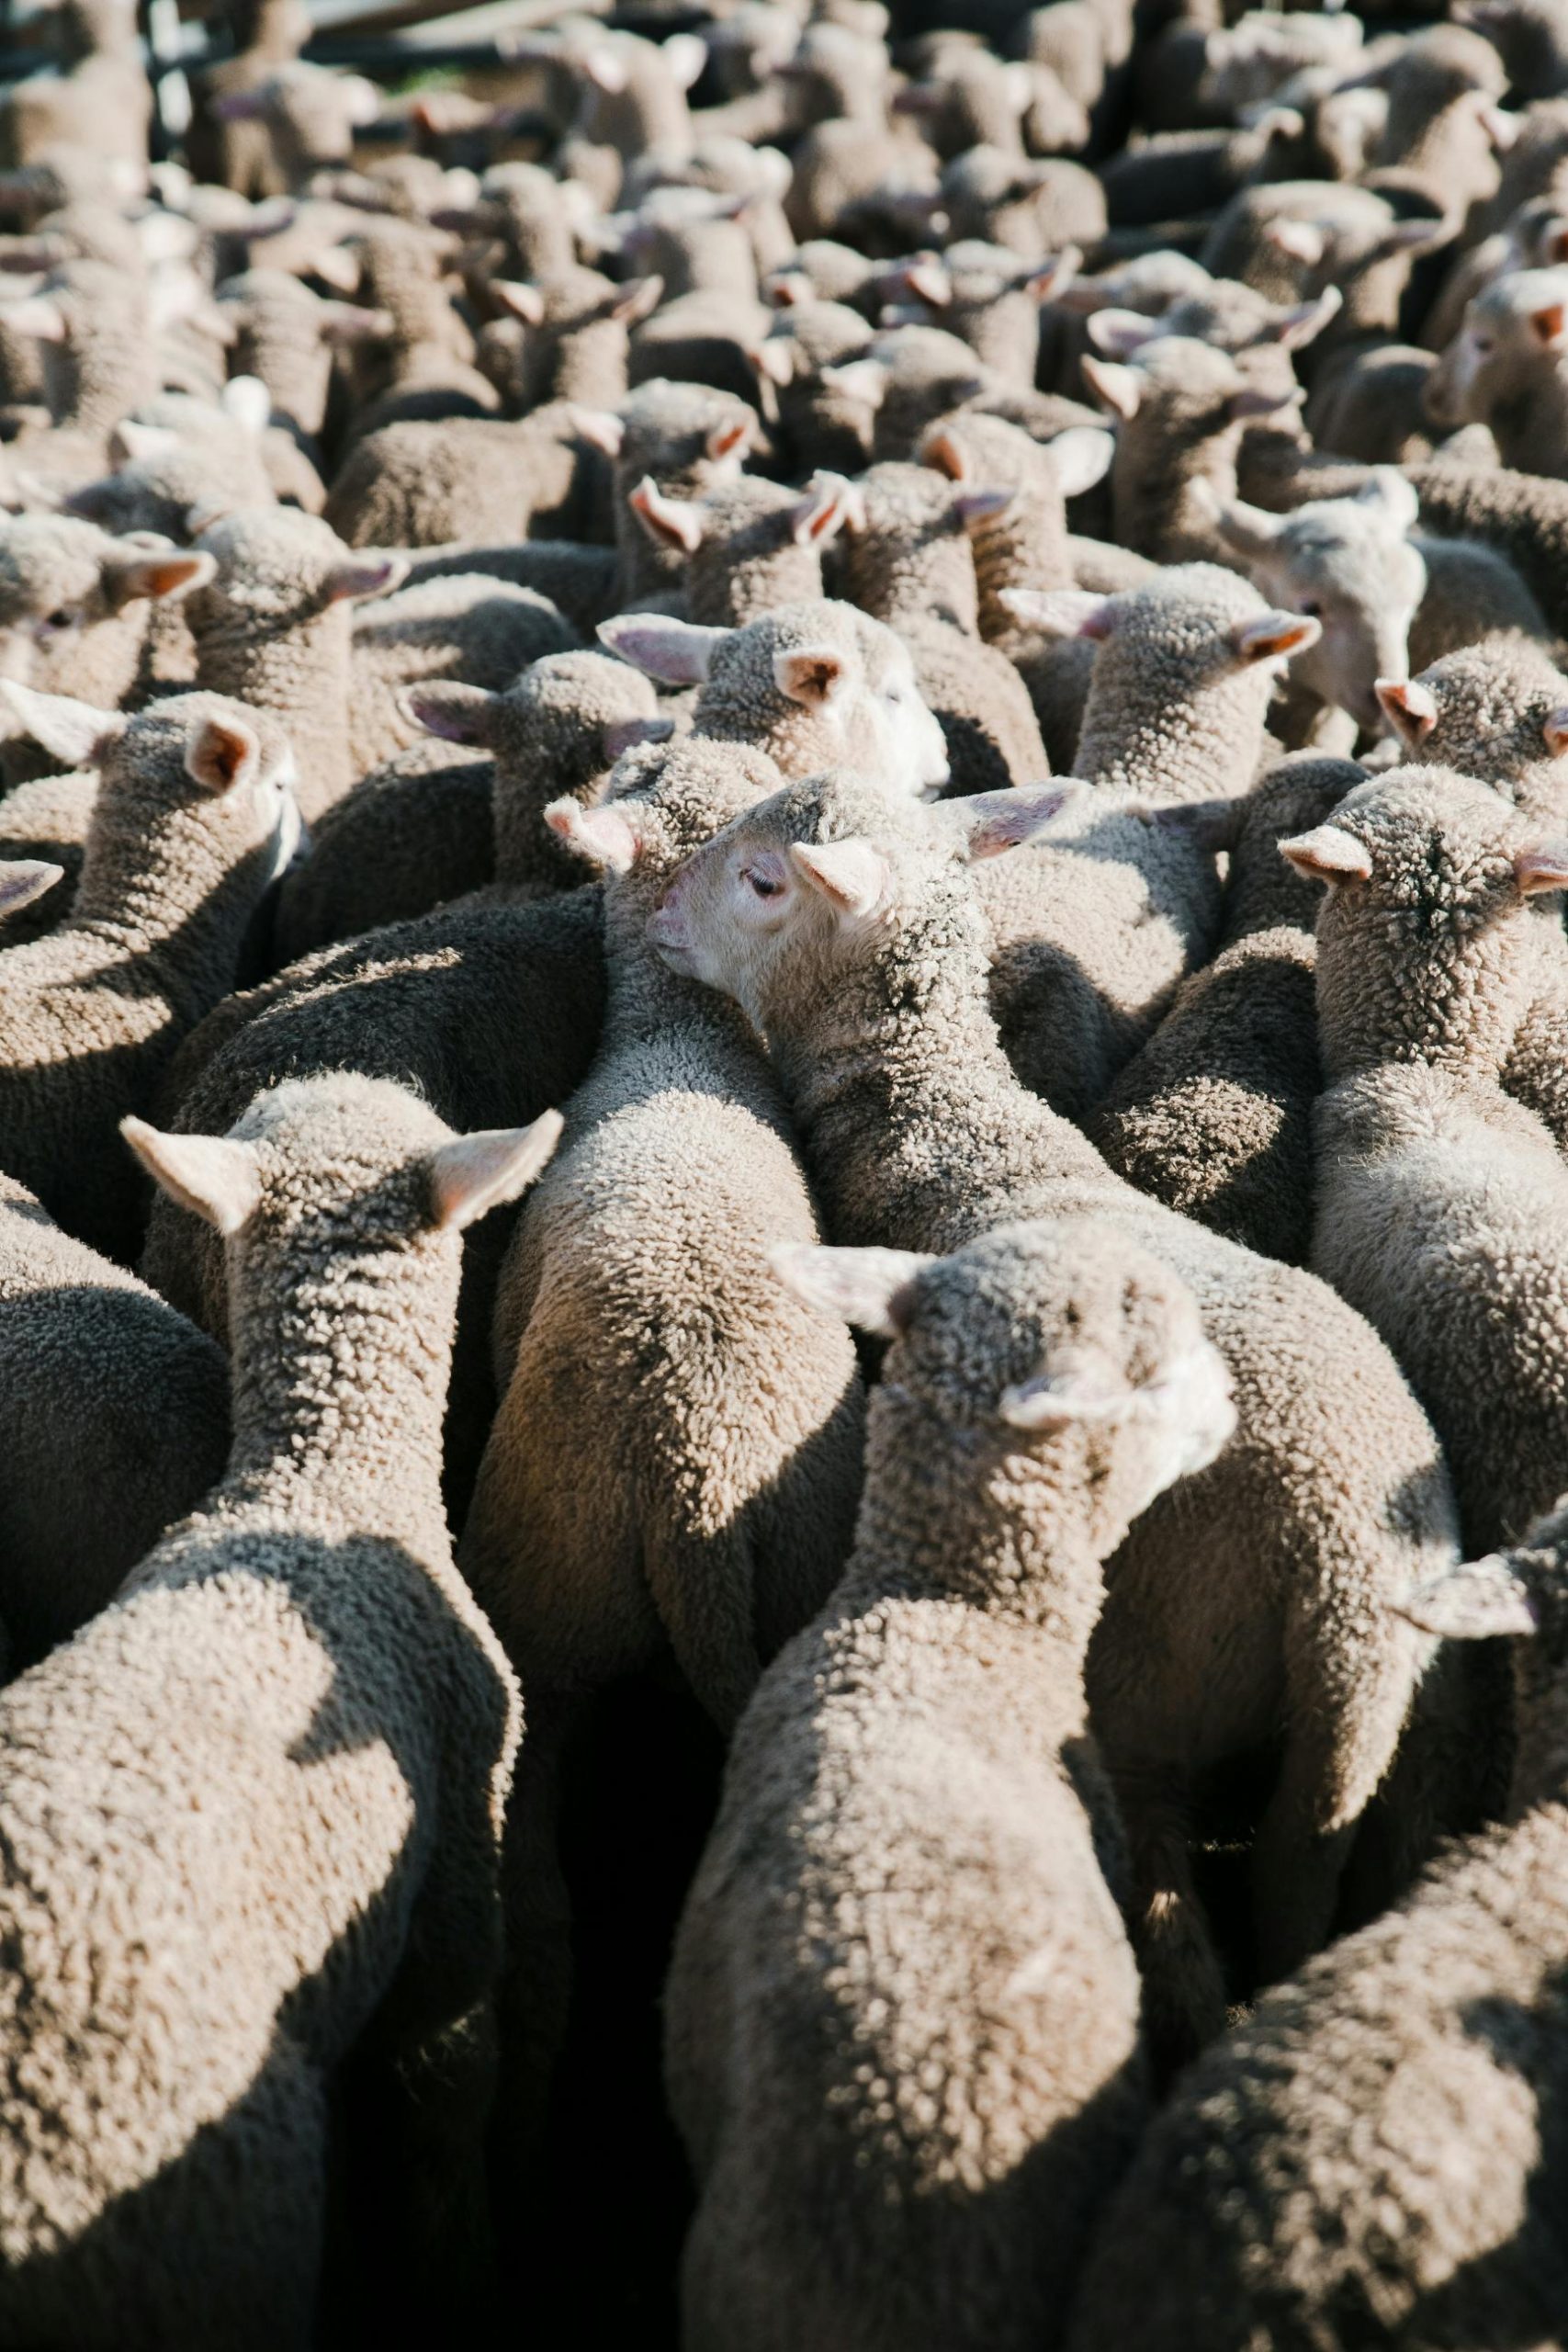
[809, 674]
[873, 1289]
[128, 577]
[729, 440]
[637, 300]
[1048, 280]
[477, 1172]
[365, 576]
[1395, 496]
[72, 731]
[38, 315]
[1410, 709]
[1329, 853]
[248, 401]
[347, 323]
[340, 269]
[606, 836]
[600, 427]
[826, 508]
[669, 522]
[1116, 334]
[1275, 636]
[1306, 320]
[214, 1177]
[858, 379]
[1302, 241]
[1254, 400]
[677, 653]
[1080, 458]
[928, 281]
[1472, 1603]
[942, 449]
[992, 822]
[620, 735]
[1250, 530]
[853, 875]
[222, 754]
[518, 298]
[773, 359]
[23, 880]
[1055, 1400]
[974, 507]
[1117, 389]
[1549, 324]
[131, 443]
[1062, 612]
[685, 54]
[1554, 731]
[459, 714]
[1540, 866]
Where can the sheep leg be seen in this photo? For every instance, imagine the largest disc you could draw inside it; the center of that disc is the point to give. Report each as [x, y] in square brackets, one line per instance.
[1184, 1991]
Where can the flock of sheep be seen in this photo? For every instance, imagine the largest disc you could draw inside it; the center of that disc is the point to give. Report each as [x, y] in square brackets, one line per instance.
[782, 952]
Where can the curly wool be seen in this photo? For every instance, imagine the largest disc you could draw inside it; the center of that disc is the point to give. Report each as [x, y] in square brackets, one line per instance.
[256, 1804]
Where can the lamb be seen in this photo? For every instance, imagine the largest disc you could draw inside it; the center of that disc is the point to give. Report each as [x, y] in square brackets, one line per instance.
[826, 422]
[1504, 369]
[686, 439]
[728, 1518]
[748, 545]
[489, 1012]
[194, 819]
[1026, 544]
[811, 685]
[903, 1906]
[115, 1414]
[1441, 1207]
[1096, 926]
[286, 335]
[1214, 1114]
[1496, 710]
[918, 1136]
[73, 603]
[1030, 208]
[252, 1811]
[1291, 239]
[1442, 2017]
[1179, 410]
[906, 560]
[273, 627]
[992, 299]
[440, 820]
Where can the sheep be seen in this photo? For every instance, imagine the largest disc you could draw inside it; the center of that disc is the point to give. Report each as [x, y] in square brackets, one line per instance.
[1096, 925]
[273, 627]
[727, 1519]
[826, 423]
[990, 298]
[684, 439]
[1370, 2150]
[1179, 408]
[1335, 1496]
[73, 603]
[287, 336]
[194, 819]
[811, 685]
[438, 822]
[253, 1810]
[419, 484]
[308, 114]
[901, 1979]
[1292, 239]
[906, 560]
[1030, 208]
[1504, 370]
[482, 631]
[1214, 1114]
[1441, 1204]
[114, 1413]
[748, 545]
[490, 1012]
[1496, 710]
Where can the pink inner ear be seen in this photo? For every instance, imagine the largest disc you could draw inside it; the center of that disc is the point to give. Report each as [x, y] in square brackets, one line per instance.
[725, 439]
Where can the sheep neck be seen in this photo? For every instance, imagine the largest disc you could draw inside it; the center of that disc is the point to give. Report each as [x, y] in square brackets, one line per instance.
[948, 1514]
[341, 1365]
[745, 578]
[1151, 490]
[300, 670]
[915, 1128]
[1531, 428]
[588, 364]
[1192, 738]
[1024, 547]
[527, 777]
[158, 887]
[911, 577]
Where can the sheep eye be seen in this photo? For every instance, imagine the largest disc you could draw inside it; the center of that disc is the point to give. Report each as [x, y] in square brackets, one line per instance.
[1311, 609]
[61, 619]
[763, 884]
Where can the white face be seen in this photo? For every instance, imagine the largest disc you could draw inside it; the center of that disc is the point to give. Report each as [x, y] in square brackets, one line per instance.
[891, 731]
[727, 911]
[1365, 596]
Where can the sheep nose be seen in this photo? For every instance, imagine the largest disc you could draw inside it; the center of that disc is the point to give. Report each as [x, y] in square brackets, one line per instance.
[665, 928]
